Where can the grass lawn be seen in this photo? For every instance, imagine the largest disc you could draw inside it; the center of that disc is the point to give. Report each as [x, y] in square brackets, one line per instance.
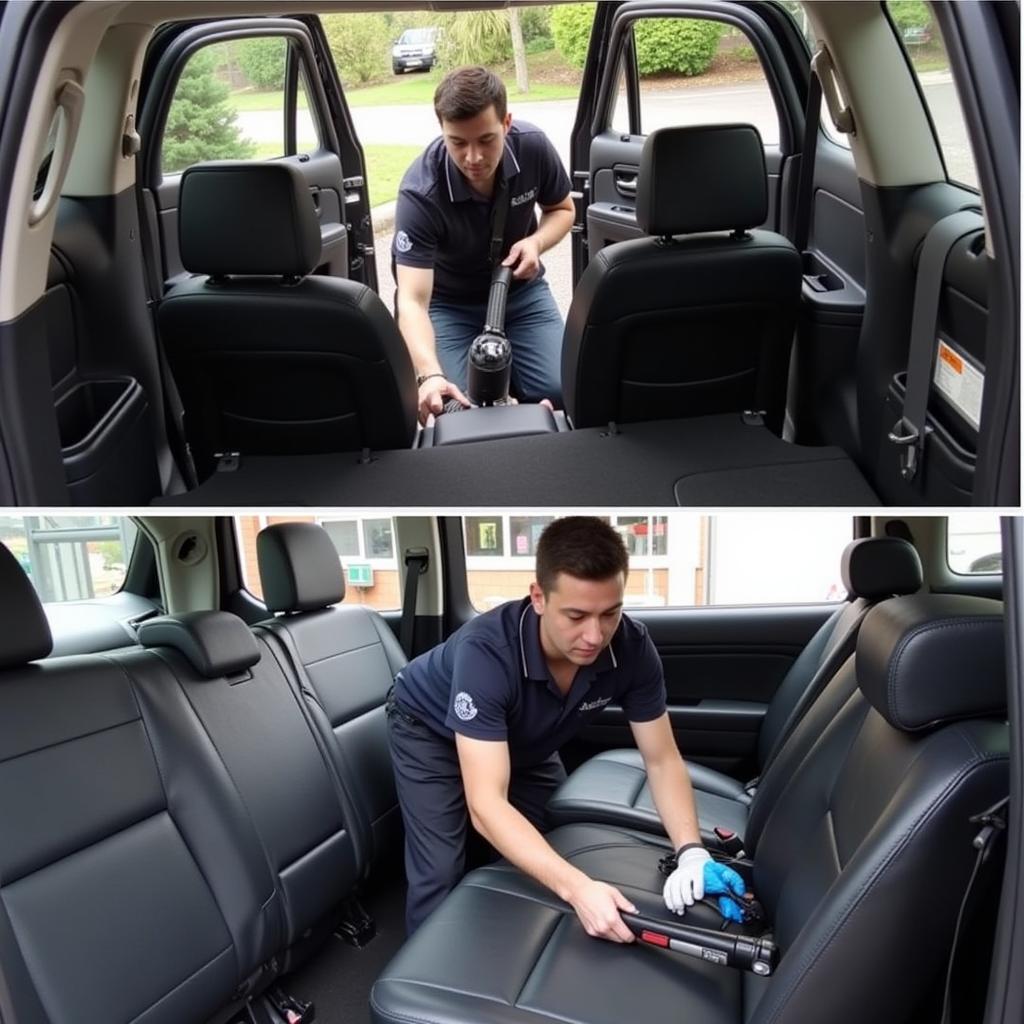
[385, 166]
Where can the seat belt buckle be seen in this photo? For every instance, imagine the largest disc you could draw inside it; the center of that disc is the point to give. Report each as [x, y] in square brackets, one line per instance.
[290, 1009]
[728, 841]
[910, 440]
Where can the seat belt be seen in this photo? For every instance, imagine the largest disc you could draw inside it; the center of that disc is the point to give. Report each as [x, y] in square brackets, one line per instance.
[805, 183]
[174, 410]
[910, 430]
[416, 562]
[993, 822]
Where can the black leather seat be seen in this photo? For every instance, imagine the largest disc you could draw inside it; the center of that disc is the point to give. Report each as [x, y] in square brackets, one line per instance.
[215, 668]
[612, 786]
[860, 867]
[344, 657]
[672, 327]
[268, 359]
[133, 885]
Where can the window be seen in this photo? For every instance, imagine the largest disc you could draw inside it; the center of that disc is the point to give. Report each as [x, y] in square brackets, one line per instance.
[679, 559]
[927, 53]
[974, 544]
[366, 551]
[71, 558]
[696, 72]
[229, 105]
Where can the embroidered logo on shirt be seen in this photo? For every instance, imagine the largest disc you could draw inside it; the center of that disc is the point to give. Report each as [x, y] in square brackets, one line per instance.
[403, 243]
[593, 705]
[524, 198]
[464, 706]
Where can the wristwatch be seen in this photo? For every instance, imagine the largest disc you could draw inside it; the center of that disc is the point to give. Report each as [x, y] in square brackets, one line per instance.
[421, 377]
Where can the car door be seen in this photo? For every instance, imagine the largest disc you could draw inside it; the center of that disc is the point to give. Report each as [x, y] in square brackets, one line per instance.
[296, 113]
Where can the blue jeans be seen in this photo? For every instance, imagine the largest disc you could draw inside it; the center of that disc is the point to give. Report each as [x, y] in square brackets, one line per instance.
[533, 325]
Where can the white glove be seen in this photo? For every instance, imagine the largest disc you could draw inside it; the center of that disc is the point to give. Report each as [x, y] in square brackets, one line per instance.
[686, 884]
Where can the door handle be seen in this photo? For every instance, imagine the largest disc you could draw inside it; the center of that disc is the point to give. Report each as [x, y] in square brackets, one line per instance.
[626, 185]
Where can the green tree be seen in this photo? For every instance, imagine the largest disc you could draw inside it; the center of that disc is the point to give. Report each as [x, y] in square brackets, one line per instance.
[200, 124]
[910, 14]
[570, 28]
[474, 37]
[361, 45]
[263, 61]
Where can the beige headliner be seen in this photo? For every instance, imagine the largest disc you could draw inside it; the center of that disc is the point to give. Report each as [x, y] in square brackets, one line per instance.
[101, 45]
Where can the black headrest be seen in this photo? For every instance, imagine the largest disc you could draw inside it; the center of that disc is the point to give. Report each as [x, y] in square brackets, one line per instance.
[933, 658]
[705, 178]
[215, 643]
[239, 217]
[26, 633]
[877, 567]
[299, 568]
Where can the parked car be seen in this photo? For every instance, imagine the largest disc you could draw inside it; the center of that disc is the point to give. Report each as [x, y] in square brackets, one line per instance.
[415, 50]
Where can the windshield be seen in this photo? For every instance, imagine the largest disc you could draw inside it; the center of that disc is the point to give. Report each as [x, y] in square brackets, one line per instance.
[412, 36]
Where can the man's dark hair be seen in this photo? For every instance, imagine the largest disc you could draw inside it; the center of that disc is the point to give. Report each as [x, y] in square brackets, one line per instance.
[466, 92]
[581, 546]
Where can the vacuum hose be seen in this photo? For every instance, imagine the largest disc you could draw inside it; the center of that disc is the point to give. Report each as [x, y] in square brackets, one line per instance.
[490, 354]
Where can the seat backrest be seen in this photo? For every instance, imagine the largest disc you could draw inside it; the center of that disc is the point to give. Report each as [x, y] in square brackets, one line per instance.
[668, 327]
[268, 359]
[232, 681]
[345, 658]
[872, 569]
[868, 849]
[132, 884]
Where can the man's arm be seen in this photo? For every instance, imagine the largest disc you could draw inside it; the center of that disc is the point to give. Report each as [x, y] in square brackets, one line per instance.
[486, 772]
[554, 225]
[669, 780]
[415, 285]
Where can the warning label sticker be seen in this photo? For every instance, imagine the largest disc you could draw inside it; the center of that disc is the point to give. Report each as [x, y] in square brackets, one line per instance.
[960, 382]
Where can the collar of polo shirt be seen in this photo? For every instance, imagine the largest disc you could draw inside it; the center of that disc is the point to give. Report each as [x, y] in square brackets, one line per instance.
[460, 190]
[531, 654]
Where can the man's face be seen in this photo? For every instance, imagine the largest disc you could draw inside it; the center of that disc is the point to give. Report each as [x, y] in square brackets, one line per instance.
[477, 144]
[578, 618]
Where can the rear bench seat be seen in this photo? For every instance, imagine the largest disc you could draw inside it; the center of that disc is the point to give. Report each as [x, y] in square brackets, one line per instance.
[861, 865]
[177, 827]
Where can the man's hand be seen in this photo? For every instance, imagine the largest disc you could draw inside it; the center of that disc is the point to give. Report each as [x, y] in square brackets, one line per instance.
[720, 880]
[597, 905]
[432, 394]
[524, 257]
[686, 884]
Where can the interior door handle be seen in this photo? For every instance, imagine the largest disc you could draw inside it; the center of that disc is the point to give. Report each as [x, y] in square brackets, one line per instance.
[626, 185]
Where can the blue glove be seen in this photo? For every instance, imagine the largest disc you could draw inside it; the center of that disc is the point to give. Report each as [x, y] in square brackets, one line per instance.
[720, 880]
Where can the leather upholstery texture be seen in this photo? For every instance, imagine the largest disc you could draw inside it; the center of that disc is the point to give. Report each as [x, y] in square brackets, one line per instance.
[299, 568]
[26, 633]
[213, 643]
[878, 567]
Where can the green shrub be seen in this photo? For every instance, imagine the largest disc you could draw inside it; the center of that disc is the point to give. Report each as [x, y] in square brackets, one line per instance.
[542, 44]
[910, 14]
[360, 44]
[536, 24]
[676, 44]
[474, 37]
[570, 28]
[262, 61]
[200, 124]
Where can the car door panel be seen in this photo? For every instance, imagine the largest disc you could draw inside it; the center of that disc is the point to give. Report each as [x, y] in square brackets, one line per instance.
[722, 666]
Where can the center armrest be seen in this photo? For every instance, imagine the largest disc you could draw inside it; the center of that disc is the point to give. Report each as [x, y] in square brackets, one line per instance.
[492, 423]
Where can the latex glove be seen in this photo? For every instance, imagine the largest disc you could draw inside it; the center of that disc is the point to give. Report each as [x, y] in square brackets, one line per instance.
[686, 884]
[720, 880]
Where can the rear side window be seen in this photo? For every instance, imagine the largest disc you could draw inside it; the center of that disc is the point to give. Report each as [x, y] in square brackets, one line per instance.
[974, 544]
[678, 559]
[71, 558]
[229, 105]
[695, 72]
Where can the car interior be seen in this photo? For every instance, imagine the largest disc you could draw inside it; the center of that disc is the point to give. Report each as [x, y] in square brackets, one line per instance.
[201, 821]
[825, 317]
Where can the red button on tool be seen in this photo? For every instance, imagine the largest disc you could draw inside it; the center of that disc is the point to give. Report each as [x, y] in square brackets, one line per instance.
[654, 938]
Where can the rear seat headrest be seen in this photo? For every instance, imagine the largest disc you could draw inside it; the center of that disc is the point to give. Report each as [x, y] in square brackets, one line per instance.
[26, 633]
[299, 567]
[214, 643]
[933, 658]
[704, 178]
[878, 567]
[239, 217]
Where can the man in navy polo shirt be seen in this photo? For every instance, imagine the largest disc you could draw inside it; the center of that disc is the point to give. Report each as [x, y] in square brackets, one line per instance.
[445, 222]
[475, 724]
